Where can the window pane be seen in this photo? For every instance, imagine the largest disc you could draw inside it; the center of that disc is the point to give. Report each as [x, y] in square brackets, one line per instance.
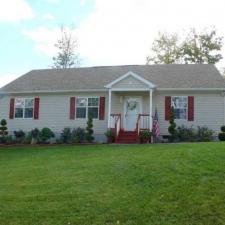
[81, 101]
[92, 101]
[29, 103]
[93, 112]
[28, 113]
[18, 113]
[81, 112]
[19, 102]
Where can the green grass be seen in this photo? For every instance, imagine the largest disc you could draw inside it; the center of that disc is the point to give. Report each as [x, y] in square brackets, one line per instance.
[172, 184]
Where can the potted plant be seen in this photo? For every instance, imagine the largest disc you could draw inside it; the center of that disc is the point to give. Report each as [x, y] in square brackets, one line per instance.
[110, 136]
[145, 136]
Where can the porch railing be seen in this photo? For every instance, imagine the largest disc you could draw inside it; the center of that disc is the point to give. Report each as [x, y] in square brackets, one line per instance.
[142, 123]
[116, 124]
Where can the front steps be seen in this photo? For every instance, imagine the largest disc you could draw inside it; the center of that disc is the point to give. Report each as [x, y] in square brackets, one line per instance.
[127, 137]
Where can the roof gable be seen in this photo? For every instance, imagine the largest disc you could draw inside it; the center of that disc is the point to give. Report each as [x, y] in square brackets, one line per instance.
[135, 79]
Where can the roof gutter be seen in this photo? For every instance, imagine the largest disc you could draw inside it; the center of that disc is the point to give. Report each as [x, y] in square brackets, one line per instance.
[52, 91]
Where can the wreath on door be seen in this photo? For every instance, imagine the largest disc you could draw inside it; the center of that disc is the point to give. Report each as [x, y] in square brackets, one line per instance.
[132, 105]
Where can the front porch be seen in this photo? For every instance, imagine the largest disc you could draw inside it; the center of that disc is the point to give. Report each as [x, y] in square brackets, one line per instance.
[129, 113]
[130, 106]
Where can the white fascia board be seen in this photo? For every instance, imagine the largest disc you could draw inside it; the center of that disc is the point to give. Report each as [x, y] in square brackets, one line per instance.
[191, 89]
[130, 73]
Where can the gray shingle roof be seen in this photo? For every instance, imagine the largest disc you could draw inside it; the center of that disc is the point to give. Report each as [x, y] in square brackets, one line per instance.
[163, 76]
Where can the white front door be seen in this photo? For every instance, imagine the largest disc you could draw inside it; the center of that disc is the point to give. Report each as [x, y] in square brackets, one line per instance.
[132, 107]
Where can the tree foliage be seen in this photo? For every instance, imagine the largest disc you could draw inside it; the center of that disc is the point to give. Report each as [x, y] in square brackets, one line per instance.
[67, 46]
[166, 49]
[202, 47]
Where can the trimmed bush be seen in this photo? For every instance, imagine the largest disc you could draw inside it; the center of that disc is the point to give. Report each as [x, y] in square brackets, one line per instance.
[223, 128]
[172, 128]
[35, 136]
[20, 136]
[66, 135]
[89, 130]
[221, 136]
[204, 134]
[78, 135]
[189, 134]
[186, 134]
[45, 135]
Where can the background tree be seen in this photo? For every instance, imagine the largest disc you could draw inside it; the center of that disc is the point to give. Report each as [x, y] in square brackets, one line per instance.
[165, 49]
[203, 47]
[67, 46]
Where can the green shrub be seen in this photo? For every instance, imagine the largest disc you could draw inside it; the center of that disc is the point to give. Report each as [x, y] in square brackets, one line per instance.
[3, 131]
[223, 128]
[221, 136]
[9, 140]
[78, 135]
[186, 133]
[27, 139]
[20, 136]
[35, 136]
[204, 134]
[45, 135]
[189, 134]
[89, 130]
[172, 128]
[66, 135]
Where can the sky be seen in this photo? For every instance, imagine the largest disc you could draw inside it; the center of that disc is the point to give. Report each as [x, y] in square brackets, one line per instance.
[108, 32]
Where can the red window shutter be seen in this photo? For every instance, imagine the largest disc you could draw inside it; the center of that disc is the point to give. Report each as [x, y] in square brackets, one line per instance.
[167, 107]
[190, 108]
[72, 107]
[11, 108]
[102, 108]
[36, 108]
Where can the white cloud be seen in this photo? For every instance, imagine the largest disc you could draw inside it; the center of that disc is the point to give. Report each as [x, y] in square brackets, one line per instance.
[48, 16]
[45, 39]
[15, 10]
[7, 78]
[121, 32]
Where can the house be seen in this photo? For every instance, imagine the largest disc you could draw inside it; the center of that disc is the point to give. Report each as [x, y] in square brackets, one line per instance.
[120, 97]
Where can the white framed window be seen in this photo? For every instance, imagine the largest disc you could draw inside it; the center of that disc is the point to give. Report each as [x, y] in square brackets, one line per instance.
[24, 108]
[87, 106]
[180, 105]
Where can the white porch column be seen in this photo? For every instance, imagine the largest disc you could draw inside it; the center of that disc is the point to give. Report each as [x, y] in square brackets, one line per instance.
[150, 109]
[109, 108]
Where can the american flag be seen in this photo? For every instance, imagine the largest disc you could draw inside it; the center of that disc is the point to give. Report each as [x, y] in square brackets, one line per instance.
[155, 129]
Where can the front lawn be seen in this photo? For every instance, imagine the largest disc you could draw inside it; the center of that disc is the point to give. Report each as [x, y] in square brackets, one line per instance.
[181, 184]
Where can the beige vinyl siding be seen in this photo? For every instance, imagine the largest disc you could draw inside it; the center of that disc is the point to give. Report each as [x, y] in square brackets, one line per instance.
[54, 110]
[54, 113]
[208, 110]
[130, 82]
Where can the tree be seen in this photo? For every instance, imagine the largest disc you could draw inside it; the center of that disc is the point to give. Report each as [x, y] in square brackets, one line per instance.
[203, 47]
[66, 56]
[165, 49]
[89, 130]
